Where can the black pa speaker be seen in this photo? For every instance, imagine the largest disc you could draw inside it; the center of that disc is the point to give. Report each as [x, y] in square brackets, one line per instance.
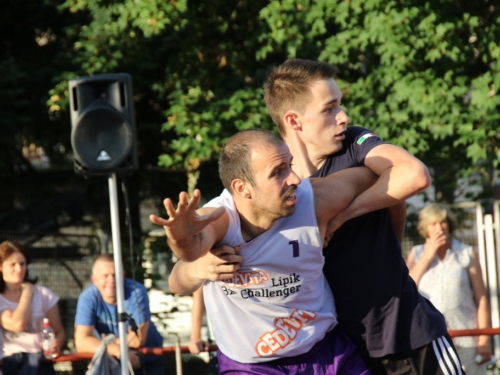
[102, 124]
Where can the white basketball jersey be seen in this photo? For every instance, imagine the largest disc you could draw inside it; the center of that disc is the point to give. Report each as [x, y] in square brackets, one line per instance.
[279, 303]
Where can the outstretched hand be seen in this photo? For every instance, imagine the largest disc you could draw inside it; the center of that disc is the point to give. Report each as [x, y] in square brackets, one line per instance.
[184, 222]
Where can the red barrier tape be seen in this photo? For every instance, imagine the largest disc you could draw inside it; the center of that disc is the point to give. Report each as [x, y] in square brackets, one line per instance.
[474, 332]
[73, 357]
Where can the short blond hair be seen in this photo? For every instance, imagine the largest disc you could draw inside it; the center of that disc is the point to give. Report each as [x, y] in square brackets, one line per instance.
[288, 87]
[435, 213]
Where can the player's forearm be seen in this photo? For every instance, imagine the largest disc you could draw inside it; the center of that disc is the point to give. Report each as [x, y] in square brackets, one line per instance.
[188, 249]
[393, 186]
[197, 312]
[185, 278]
[398, 219]
[196, 324]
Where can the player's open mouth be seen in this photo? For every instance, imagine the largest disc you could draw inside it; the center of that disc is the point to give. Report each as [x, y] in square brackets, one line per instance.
[340, 137]
[292, 199]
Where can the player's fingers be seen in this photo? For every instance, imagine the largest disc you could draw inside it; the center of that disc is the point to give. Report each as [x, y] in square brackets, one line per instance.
[331, 227]
[232, 259]
[327, 239]
[219, 267]
[183, 199]
[223, 250]
[158, 220]
[193, 204]
[169, 207]
[225, 255]
[229, 268]
[217, 262]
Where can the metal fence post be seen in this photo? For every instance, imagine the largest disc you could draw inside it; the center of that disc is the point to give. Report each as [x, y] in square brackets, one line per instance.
[491, 262]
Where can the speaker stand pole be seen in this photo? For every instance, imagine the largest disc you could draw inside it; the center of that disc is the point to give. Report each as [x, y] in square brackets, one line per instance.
[117, 256]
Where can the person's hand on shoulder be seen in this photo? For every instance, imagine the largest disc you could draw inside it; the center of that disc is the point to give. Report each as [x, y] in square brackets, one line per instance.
[220, 263]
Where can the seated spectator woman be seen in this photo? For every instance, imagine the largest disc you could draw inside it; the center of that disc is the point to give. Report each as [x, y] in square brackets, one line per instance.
[448, 273]
[23, 305]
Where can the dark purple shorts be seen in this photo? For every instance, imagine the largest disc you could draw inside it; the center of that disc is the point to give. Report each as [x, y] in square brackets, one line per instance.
[336, 354]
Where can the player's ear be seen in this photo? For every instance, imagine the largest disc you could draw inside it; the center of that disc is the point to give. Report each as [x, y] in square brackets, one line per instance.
[291, 121]
[240, 187]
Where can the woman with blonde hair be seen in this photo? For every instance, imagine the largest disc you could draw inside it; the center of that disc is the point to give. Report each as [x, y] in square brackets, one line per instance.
[23, 306]
[448, 273]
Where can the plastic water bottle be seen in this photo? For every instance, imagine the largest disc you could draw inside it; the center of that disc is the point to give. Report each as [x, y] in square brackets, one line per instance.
[492, 362]
[47, 339]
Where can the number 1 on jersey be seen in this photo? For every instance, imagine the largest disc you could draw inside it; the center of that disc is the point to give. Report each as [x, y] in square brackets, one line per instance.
[295, 247]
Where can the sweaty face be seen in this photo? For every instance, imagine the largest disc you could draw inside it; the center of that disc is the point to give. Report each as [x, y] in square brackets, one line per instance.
[103, 277]
[14, 269]
[273, 195]
[324, 121]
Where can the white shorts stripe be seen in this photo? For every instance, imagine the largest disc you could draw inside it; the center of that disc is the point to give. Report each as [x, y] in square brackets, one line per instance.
[446, 356]
[439, 358]
[453, 354]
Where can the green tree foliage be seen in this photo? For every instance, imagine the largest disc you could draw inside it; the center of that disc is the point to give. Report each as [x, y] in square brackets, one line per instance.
[422, 74]
[30, 61]
[192, 65]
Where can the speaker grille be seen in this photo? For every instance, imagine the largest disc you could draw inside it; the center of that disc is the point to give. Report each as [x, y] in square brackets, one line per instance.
[102, 139]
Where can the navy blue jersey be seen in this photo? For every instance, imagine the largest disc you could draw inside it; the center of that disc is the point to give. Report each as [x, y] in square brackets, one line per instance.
[378, 303]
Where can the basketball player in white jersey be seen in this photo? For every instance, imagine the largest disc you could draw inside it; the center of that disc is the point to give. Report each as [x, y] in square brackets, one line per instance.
[271, 308]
